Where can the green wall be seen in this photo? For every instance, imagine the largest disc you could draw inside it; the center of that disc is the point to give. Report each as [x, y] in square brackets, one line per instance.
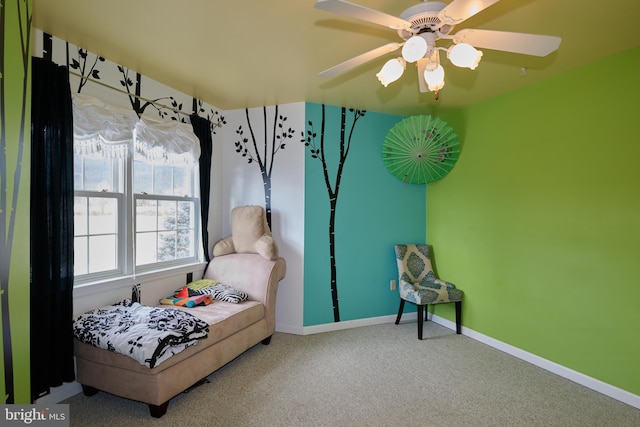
[374, 211]
[14, 183]
[539, 222]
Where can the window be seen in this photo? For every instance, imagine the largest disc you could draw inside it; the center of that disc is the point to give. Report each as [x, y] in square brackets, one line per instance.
[165, 213]
[99, 215]
[136, 193]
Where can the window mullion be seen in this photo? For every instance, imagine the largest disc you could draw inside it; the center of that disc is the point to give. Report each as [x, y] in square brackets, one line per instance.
[127, 254]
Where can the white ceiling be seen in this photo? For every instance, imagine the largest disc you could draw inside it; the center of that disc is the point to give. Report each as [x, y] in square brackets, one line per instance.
[251, 53]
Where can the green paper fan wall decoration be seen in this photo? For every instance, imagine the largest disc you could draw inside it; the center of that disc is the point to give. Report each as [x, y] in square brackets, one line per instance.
[420, 149]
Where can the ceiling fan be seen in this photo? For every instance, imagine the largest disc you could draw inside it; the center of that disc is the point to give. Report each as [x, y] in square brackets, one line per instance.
[424, 24]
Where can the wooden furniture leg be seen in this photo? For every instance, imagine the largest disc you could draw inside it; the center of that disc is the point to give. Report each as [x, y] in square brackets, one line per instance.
[400, 311]
[157, 411]
[458, 317]
[88, 390]
[420, 320]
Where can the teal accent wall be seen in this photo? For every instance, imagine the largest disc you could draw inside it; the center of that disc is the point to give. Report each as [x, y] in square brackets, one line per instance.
[539, 222]
[374, 211]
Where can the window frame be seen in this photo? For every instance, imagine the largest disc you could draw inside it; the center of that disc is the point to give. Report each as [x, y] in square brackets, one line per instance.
[159, 265]
[122, 266]
[126, 227]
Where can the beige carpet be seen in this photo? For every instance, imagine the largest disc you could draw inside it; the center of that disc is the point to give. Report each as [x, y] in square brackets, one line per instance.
[371, 376]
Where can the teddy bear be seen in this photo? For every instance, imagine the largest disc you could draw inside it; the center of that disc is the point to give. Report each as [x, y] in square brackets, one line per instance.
[250, 233]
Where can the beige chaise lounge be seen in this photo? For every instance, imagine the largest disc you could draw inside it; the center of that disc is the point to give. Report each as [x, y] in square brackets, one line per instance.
[233, 329]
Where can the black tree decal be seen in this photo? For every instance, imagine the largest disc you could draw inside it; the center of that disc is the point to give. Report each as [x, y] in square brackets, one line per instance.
[80, 64]
[215, 118]
[138, 103]
[8, 213]
[265, 160]
[332, 190]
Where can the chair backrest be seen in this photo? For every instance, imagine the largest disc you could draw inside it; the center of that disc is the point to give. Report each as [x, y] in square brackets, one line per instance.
[414, 263]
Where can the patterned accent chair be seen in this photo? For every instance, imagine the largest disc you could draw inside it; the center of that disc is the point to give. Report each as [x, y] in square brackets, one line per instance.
[418, 284]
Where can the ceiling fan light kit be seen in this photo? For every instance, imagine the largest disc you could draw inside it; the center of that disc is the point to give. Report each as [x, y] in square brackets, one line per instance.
[434, 78]
[464, 55]
[421, 26]
[414, 49]
[391, 71]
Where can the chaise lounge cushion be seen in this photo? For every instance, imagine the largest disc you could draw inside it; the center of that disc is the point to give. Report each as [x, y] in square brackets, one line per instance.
[149, 335]
[228, 318]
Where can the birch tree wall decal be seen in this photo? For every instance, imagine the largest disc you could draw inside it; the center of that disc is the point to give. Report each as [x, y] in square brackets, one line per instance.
[252, 152]
[80, 64]
[333, 189]
[8, 214]
[215, 117]
[138, 103]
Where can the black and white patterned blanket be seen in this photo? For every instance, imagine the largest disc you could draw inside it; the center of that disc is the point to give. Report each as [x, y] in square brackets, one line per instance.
[149, 335]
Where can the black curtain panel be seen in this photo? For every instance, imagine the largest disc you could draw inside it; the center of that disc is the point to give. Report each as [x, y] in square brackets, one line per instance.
[51, 228]
[202, 129]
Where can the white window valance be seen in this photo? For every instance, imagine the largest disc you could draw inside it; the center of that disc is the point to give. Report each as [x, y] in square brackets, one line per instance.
[107, 130]
[100, 128]
[170, 142]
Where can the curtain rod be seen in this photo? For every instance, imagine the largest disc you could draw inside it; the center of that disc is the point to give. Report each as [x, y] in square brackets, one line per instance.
[157, 104]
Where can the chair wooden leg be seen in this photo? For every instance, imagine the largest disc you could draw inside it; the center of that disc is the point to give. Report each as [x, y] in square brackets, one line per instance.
[426, 312]
[400, 311]
[420, 321]
[458, 317]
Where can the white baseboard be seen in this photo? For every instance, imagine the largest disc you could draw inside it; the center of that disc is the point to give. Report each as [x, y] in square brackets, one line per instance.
[577, 377]
[59, 394]
[290, 329]
[347, 324]
[589, 382]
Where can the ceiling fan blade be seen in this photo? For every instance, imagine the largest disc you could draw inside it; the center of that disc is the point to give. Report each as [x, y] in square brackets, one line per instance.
[527, 44]
[359, 60]
[363, 13]
[459, 10]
